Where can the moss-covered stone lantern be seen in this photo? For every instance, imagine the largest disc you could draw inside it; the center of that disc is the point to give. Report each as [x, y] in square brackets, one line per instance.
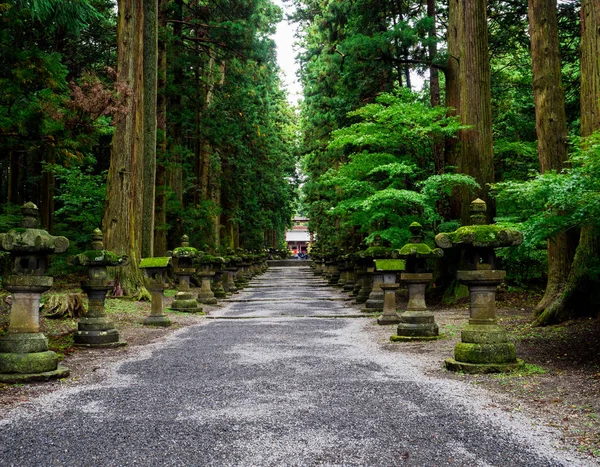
[183, 258]
[389, 268]
[95, 329]
[156, 273]
[417, 322]
[24, 354]
[229, 273]
[206, 273]
[484, 347]
[377, 250]
[218, 265]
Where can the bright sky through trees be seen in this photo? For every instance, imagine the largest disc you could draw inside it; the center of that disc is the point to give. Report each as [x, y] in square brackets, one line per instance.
[286, 56]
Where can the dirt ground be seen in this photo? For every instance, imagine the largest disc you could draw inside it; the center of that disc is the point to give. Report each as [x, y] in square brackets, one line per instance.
[559, 386]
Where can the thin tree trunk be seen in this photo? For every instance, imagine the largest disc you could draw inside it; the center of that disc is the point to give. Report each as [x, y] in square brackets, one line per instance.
[581, 296]
[551, 129]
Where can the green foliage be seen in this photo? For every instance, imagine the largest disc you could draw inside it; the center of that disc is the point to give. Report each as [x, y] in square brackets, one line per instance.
[386, 181]
[80, 195]
[550, 203]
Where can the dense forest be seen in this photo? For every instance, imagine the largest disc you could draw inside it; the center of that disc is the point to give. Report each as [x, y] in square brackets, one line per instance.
[153, 119]
[508, 113]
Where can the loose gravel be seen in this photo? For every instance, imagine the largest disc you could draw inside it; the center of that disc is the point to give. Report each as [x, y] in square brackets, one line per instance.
[275, 387]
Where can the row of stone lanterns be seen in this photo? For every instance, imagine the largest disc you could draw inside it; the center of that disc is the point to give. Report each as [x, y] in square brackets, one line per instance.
[484, 346]
[24, 354]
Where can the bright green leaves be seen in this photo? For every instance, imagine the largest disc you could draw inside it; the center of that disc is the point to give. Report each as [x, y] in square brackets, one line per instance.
[384, 180]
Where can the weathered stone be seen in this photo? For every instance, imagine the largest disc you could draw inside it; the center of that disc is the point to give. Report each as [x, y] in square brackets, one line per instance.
[484, 347]
[156, 273]
[24, 354]
[95, 329]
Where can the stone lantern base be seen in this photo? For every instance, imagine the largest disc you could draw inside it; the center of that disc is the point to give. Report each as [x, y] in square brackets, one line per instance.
[25, 357]
[185, 301]
[96, 329]
[206, 295]
[24, 354]
[484, 346]
[417, 322]
[389, 316]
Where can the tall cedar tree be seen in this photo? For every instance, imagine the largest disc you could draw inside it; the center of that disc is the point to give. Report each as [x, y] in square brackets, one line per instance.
[551, 129]
[582, 292]
[122, 223]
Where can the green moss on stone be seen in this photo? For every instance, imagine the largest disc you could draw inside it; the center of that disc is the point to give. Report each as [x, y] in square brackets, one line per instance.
[390, 264]
[485, 236]
[185, 251]
[485, 353]
[158, 262]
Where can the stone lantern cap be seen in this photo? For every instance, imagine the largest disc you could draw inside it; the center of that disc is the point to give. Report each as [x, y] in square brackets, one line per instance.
[415, 248]
[390, 265]
[98, 256]
[29, 239]
[185, 250]
[479, 234]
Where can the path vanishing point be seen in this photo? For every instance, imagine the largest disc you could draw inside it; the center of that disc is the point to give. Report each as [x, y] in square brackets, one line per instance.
[285, 373]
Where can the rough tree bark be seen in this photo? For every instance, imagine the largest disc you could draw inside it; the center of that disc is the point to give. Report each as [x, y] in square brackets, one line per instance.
[476, 150]
[160, 232]
[434, 86]
[551, 129]
[150, 76]
[124, 189]
[581, 295]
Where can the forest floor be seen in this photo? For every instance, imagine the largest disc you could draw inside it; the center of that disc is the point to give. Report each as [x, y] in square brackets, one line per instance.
[558, 387]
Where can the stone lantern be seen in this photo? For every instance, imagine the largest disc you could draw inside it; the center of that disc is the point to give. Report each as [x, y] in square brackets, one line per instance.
[229, 273]
[183, 258]
[206, 273]
[484, 347]
[417, 322]
[389, 268]
[374, 303]
[219, 265]
[24, 354]
[95, 329]
[156, 273]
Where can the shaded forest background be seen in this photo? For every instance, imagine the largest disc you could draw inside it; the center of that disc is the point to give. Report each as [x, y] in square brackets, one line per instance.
[155, 119]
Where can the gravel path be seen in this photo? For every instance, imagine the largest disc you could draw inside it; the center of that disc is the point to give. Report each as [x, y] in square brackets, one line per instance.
[272, 381]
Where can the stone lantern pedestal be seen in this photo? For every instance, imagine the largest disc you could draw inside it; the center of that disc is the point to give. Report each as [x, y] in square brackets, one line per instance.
[366, 284]
[24, 354]
[374, 303]
[185, 299]
[417, 322]
[390, 270]
[206, 295]
[484, 346]
[156, 272]
[229, 280]
[218, 288]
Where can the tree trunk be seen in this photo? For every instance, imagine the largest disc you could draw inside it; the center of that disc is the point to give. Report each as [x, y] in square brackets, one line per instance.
[434, 88]
[476, 151]
[150, 65]
[581, 295]
[160, 226]
[124, 187]
[551, 129]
